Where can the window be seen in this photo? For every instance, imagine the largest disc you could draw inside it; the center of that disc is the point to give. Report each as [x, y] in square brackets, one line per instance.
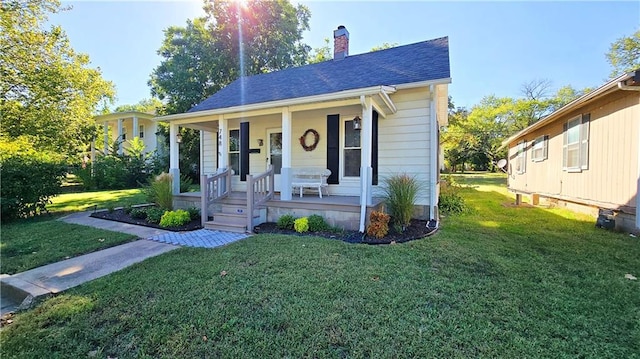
[234, 151]
[521, 157]
[124, 133]
[141, 131]
[575, 147]
[539, 148]
[351, 151]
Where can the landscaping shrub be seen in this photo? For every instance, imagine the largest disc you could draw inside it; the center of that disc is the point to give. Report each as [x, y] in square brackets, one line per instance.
[175, 218]
[286, 222]
[127, 208]
[401, 192]
[194, 213]
[301, 225]
[138, 213]
[29, 178]
[154, 214]
[450, 200]
[160, 191]
[378, 224]
[185, 183]
[317, 223]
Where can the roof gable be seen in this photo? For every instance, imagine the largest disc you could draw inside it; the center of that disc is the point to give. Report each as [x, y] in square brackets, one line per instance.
[422, 61]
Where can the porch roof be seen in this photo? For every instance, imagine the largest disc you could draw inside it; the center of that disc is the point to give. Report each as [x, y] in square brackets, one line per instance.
[414, 63]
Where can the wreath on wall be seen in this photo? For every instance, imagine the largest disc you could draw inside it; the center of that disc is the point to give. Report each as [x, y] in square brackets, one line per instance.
[316, 139]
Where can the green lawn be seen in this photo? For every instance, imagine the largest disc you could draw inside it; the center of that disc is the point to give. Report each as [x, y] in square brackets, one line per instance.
[501, 282]
[83, 201]
[33, 243]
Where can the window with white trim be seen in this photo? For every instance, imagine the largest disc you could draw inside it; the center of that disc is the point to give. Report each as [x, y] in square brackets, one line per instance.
[351, 151]
[234, 151]
[539, 148]
[521, 157]
[575, 144]
[141, 131]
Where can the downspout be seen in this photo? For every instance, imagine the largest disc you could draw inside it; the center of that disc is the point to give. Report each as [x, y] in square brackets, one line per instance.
[433, 134]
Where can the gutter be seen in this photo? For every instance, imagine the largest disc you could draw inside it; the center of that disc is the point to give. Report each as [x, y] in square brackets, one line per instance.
[356, 93]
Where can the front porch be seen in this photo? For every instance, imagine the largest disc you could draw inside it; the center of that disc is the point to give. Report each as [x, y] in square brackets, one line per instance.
[230, 212]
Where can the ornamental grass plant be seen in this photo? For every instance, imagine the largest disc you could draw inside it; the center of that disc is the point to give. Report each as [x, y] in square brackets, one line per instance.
[401, 192]
[160, 191]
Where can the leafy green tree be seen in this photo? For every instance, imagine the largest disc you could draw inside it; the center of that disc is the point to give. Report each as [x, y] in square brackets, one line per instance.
[150, 105]
[384, 46]
[320, 54]
[47, 90]
[624, 54]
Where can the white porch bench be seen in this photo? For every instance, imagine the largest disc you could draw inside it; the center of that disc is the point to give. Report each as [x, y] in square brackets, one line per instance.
[309, 177]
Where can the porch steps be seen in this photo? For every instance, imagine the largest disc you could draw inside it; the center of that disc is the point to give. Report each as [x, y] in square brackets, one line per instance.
[231, 216]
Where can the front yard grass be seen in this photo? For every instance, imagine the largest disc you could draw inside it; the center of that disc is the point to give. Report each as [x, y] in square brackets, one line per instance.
[500, 282]
[33, 243]
[84, 201]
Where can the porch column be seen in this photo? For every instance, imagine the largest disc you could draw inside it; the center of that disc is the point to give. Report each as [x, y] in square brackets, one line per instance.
[119, 136]
[366, 171]
[223, 143]
[93, 154]
[174, 152]
[135, 131]
[105, 138]
[285, 174]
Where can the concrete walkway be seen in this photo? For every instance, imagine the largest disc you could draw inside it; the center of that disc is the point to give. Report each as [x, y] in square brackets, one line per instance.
[21, 290]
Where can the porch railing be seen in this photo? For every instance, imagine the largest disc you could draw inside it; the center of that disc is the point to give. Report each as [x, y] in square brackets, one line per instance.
[260, 189]
[213, 187]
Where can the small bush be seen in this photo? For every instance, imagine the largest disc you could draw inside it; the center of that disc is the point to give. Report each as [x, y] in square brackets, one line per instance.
[317, 223]
[111, 207]
[29, 178]
[378, 224]
[401, 192]
[185, 183]
[138, 213]
[127, 208]
[160, 191]
[176, 218]
[450, 200]
[154, 214]
[194, 213]
[301, 225]
[286, 222]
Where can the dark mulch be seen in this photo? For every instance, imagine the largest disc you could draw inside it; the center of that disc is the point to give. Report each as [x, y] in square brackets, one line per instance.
[416, 230]
[119, 215]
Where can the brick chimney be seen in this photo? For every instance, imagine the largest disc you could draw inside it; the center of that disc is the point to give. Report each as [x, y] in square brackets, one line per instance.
[340, 43]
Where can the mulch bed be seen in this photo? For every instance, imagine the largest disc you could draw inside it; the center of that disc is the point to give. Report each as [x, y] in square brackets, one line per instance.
[119, 215]
[416, 230]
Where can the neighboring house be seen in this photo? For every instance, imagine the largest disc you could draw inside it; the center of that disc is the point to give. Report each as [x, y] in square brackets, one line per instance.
[363, 117]
[585, 155]
[124, 126]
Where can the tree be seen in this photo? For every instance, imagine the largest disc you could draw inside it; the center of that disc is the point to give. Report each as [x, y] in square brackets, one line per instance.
[624, 54]
[48, 93]
[320, 54]
[151, 105]
[384, 46]
[234, 39]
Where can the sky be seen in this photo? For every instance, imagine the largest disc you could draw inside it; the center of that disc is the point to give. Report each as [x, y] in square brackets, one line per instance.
[494, 47]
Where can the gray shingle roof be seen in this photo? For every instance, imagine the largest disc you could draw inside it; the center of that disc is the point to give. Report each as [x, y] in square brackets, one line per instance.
[422, 61]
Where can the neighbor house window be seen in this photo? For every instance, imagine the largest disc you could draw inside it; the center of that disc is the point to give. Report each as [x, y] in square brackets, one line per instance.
[521, 157]
[124, 133]
[539, 148]
[575, 147]
[234, 151]
[351, 150]
[141, 131]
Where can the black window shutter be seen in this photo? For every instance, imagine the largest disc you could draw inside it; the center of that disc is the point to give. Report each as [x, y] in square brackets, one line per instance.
[374, 148]
[244, 150]
[333, 148]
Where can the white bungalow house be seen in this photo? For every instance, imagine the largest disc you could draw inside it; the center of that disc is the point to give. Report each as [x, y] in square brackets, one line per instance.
[361, 117]
[124, 126]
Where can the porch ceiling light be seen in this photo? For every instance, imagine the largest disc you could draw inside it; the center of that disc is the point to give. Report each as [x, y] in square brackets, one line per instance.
[179, 138]
[357, 123]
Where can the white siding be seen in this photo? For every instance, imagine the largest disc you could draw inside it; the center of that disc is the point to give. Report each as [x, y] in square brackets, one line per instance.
[210, 152]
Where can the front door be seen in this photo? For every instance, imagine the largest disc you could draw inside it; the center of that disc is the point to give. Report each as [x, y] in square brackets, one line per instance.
[274, 154]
